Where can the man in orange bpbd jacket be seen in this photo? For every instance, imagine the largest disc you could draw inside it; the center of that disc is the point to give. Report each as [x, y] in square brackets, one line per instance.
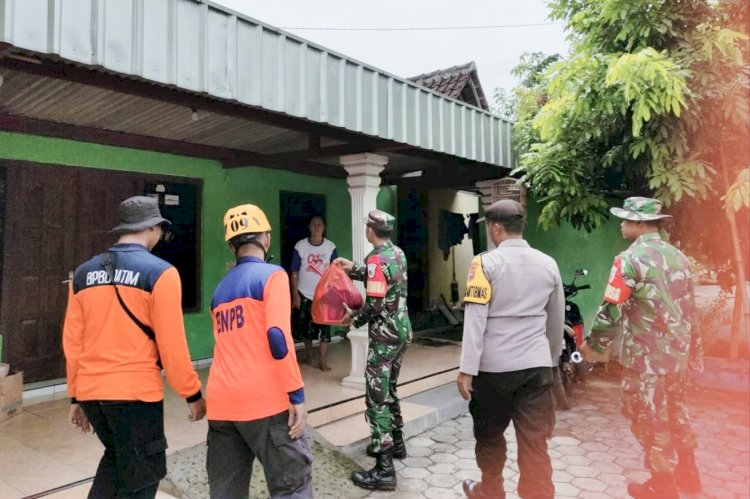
[123, 322]
[256, 400]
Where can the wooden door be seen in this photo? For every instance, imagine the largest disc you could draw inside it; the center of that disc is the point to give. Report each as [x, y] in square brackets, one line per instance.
[99, 193]
[53, 219]
[39, 251]
[56, 218]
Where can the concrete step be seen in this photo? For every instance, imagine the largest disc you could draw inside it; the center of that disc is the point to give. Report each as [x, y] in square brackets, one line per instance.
[337, 447]
[421, 411]
[336, 411]
[724, 374]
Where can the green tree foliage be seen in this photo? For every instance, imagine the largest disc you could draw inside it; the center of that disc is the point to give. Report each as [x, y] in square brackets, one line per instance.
[531, 94]
[648, 97]
[738, 194]
[523, 102]
[504, 104]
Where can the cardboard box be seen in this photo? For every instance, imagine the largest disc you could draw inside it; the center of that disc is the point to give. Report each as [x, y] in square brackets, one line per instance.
[11, 395]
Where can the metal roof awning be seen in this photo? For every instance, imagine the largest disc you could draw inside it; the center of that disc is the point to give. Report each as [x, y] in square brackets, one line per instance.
[186, 72]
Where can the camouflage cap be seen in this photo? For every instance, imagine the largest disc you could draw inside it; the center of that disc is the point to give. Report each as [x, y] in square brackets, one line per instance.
[378, 219]
[640, 209]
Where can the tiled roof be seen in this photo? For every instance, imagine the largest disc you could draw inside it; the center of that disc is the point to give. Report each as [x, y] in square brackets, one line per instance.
[456, 82]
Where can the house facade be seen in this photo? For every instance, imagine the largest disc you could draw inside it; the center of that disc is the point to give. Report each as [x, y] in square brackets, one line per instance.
[204, 109]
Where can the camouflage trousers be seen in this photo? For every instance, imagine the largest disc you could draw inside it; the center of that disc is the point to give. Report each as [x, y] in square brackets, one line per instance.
[655, 406]
[383, 412]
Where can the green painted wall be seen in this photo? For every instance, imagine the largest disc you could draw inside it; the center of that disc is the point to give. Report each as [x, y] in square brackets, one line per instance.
[225, 188]
[221, 190]
[261, 186]
[573, 249]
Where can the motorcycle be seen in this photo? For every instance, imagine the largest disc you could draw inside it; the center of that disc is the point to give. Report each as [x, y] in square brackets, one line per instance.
[571, 366]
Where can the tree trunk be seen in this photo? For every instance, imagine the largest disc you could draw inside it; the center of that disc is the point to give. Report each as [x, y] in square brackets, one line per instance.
[739, 266]
[736, 319]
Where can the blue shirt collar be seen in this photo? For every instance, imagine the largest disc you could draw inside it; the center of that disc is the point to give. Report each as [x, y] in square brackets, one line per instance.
[249, 259]
[128, 247]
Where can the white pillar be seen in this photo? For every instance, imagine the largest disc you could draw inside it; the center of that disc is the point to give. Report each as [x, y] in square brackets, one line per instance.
[364, 183]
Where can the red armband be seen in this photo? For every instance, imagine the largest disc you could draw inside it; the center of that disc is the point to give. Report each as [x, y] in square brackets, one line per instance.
[617, 289]
[377, 284]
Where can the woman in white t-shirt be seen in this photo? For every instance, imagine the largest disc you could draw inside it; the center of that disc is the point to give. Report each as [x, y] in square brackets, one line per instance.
[311, 258]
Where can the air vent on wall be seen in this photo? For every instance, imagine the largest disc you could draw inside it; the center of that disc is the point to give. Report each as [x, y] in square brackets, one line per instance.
[509, 188]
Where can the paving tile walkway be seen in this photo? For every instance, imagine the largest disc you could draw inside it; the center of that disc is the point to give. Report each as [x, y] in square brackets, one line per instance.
[593, 452]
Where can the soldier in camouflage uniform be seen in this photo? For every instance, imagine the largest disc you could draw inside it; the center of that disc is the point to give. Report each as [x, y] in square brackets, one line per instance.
[384, 275]
[648, 308]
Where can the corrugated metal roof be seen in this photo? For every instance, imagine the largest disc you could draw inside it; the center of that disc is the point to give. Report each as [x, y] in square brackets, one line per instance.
[205, 48]
[61, 101]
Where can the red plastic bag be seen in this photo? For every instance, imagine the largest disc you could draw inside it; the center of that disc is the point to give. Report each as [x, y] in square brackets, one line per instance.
[334, 289]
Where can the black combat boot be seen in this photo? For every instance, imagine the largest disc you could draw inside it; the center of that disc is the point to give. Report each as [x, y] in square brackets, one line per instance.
[661, 485]
[371, 450]
[381, 477]
[399, 447]
[686, 473]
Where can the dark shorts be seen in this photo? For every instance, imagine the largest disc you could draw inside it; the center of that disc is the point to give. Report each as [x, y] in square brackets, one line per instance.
[234, 445]
[306, 329]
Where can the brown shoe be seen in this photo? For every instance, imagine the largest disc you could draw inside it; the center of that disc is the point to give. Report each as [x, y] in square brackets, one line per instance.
[659, 486]
[475, 490]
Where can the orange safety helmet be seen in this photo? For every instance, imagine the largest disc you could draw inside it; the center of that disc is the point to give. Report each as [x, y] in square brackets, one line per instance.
[244, 219]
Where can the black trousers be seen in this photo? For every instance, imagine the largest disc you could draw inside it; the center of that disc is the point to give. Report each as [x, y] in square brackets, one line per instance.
[234, 445]
[524, 397]
[305, 328]
[134, 459]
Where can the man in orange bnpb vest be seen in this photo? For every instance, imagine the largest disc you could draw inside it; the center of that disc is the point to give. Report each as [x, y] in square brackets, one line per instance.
[123, 323]
[256, 399]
